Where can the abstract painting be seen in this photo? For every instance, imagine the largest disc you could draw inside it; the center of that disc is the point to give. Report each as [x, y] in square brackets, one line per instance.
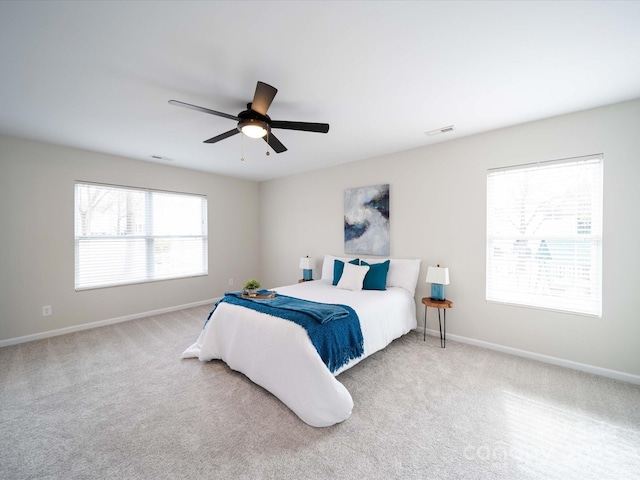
[366, 220]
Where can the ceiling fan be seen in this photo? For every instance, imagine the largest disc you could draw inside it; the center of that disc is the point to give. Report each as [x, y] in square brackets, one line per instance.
[254, 121]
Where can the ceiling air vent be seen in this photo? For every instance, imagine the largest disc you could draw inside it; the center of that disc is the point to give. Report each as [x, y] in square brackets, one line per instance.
[438, 131]
[158, 157]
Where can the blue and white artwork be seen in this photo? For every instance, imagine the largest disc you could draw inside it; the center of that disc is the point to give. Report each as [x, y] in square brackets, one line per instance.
[366, 220]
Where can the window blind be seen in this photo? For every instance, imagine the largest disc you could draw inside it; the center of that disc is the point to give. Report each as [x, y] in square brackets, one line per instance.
[544, 235]
[129, 235]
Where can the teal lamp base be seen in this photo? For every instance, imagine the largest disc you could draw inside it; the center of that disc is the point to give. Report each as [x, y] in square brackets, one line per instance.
[437, 291]
[307, 274]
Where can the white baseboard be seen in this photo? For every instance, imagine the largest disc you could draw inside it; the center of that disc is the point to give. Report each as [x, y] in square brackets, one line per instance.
[583, 367]
[101, 323]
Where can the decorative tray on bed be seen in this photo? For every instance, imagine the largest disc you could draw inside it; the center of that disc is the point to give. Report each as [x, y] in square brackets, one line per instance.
[259, 296]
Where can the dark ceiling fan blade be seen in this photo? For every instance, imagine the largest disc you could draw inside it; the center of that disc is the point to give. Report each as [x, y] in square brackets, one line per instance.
[202, 109]
[222, 136]
[263, 97]
[274, 143]
[303, 126]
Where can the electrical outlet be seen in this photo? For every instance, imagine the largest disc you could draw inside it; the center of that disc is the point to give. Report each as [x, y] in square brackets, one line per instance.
[46, 311]
[230, 281]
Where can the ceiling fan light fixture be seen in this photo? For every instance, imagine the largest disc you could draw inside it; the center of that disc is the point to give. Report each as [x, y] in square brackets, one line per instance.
[253, 128]
[254, 131]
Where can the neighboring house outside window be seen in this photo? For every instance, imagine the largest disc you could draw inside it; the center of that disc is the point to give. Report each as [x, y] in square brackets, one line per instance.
[127, 235]
[544, 235]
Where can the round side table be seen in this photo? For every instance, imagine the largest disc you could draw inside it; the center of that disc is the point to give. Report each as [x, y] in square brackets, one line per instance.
[439, 304]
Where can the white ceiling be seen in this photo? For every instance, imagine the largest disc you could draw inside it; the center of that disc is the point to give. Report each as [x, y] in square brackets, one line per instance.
[98, 75]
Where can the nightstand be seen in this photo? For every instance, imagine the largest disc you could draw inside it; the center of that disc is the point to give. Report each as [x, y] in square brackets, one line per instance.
[439, 304]
[302, 280]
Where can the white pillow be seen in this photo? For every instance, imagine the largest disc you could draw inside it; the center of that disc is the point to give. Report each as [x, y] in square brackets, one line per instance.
[403, 272]
[352, 277]
[327, 266]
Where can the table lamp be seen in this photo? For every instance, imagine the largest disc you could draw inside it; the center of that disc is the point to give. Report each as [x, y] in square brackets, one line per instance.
[307, 264]
[438, 277]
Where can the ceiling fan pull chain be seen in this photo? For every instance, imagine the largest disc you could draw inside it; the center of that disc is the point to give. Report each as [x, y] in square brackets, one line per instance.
[242, 148]
[267, 153]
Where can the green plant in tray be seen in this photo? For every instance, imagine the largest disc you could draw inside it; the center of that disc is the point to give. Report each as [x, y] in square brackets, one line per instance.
[252, 284]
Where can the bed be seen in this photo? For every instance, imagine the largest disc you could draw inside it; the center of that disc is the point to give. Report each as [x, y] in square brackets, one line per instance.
[278, 354]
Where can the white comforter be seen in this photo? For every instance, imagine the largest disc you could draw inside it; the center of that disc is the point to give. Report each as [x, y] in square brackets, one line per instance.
[278, 355]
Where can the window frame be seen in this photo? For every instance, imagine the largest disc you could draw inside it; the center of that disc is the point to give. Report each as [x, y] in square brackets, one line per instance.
[580, 241]
[147, 235]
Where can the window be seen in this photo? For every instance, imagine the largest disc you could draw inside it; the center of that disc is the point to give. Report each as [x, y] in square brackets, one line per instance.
[129, 235]
[544, 235]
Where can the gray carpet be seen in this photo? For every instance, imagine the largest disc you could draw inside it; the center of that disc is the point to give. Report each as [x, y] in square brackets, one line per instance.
[118, 402]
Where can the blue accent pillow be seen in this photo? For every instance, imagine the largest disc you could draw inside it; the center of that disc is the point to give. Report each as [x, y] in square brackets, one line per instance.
[376, 278]
[338, 268]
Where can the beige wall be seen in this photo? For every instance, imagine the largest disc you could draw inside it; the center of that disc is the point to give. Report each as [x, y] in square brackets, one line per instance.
[438, 202]
[37, 246]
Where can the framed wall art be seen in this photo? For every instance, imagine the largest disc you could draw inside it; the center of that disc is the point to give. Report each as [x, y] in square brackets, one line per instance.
[366, 220]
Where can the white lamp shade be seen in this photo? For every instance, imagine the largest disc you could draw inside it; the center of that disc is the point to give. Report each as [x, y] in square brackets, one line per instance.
[438, 275]
[307, 263]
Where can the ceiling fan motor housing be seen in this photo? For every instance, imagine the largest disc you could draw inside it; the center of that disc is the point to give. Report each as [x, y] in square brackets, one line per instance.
[251, 117]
